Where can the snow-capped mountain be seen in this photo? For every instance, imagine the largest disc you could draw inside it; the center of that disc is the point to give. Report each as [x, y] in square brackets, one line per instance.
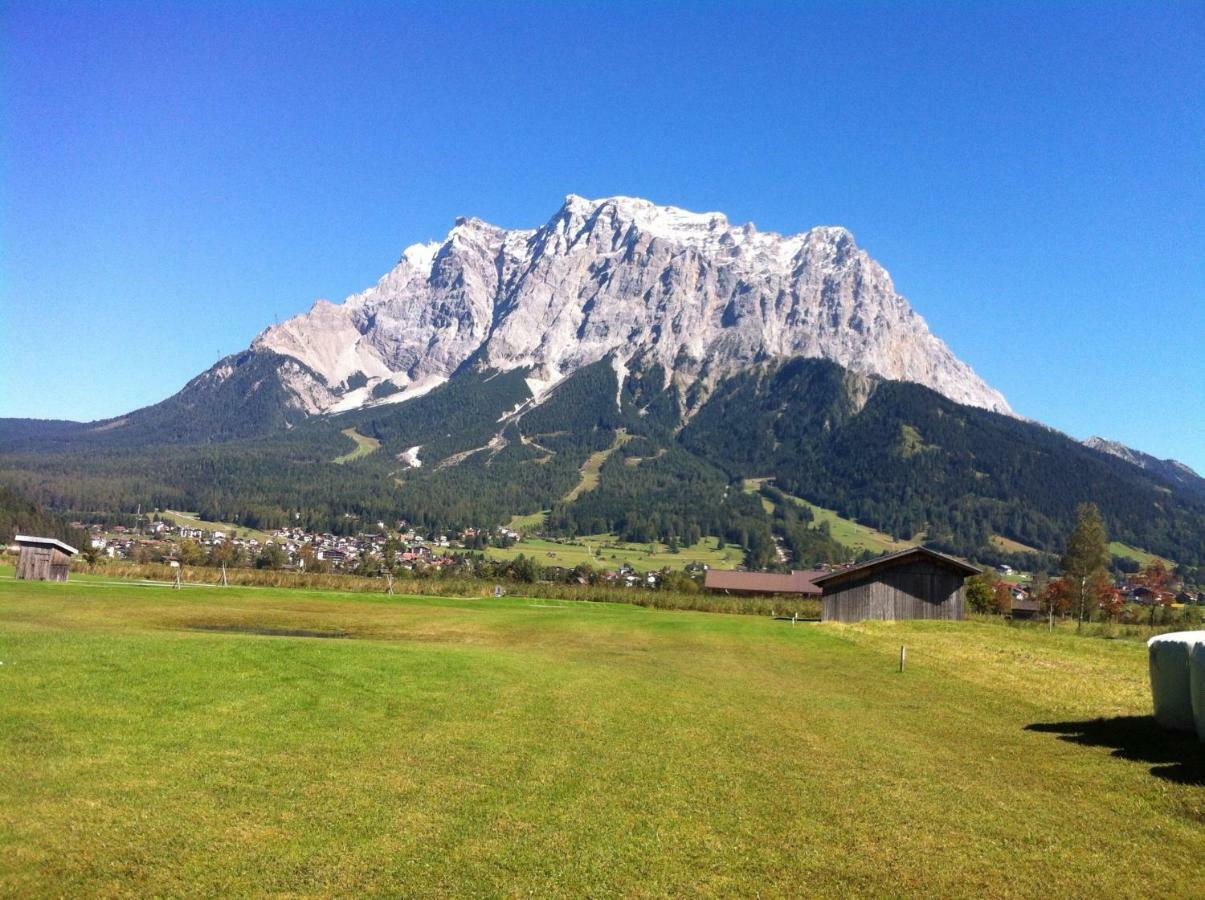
[621, 278]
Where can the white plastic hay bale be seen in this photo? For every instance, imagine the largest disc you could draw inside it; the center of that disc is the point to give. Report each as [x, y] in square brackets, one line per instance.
[1196, 685]
[1169, 678]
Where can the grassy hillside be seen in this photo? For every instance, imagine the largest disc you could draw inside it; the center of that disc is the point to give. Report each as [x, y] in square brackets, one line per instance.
[1010, 546]
[638, 459]
[1142, 557]
[529, 522]
[593, 465]
[844, 531]
[192, 520]
[162, 742]
[364, 446]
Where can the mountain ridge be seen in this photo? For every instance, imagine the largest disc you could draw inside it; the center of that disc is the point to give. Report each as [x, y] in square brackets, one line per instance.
[716, 352]
[1171, 470]
[652, 284]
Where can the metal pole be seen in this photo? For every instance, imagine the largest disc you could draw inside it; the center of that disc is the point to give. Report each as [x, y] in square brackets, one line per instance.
[903, 656]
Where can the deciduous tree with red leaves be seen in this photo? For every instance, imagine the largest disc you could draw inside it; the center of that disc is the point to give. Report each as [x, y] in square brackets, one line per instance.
[1157, 579]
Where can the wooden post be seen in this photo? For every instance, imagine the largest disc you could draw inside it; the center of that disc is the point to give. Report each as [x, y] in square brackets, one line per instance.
[225, 583]
[903, 656]
[388, 582]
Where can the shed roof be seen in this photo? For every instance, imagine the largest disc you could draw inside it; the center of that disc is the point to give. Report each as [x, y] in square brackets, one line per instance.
[798, 582]
[24, 540]
[891, 560]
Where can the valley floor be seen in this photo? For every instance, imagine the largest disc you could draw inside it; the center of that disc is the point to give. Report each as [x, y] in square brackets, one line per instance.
[606, 551]
[234, 741]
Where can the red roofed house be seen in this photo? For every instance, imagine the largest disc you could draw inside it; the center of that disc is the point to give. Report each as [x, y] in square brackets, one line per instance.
[762, 584]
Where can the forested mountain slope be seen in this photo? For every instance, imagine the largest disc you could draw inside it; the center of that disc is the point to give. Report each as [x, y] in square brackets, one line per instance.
[20, 515]
[478, 449]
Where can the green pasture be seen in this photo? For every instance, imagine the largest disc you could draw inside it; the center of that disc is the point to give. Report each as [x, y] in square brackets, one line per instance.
[192, 520]
[1142, 557]
[606, 551]
[364, 446]
[1008, 545]
[592, 467]
[529, 522]
[260, 741]
[844, 531]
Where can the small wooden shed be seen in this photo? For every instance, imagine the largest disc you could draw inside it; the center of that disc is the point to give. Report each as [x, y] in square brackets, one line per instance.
[913, 584]
[43, 558]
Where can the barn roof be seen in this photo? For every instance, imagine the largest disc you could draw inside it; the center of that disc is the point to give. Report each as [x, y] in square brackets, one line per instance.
[896, 559]
[24, 540]
[798, 582]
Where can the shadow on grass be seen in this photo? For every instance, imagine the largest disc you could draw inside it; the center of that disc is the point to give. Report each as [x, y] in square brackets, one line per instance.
[1174, 755]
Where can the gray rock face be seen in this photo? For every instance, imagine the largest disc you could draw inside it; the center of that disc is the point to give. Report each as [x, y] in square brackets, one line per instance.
[1169, 469]
[622, 276]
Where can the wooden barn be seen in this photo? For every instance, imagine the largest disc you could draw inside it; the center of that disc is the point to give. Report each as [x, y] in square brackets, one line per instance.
[762, 584]
[43, 558]
[912, 584]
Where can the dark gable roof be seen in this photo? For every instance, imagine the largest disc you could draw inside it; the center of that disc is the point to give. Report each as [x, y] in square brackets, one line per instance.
[762, 582]
[897, 559]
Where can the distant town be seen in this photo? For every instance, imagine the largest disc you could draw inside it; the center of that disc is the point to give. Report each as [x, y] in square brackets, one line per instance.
[398, 548]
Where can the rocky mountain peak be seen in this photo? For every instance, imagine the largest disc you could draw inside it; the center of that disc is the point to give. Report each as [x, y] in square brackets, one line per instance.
[618, 277]
[1171, 470]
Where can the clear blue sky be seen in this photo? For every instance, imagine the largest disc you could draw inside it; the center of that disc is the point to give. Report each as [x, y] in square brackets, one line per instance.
[175, 176]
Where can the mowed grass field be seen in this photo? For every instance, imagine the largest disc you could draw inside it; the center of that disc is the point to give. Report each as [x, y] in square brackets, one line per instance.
[159, 742]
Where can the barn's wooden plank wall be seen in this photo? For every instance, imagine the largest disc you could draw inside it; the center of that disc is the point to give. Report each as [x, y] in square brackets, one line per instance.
[913, 590]
[43, 564]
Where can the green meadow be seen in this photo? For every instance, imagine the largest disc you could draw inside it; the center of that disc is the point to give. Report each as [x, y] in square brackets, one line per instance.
[250, 741]
[192, 520]
[365, 446]
[844, 531]
[1142, 557]
[606, 551]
